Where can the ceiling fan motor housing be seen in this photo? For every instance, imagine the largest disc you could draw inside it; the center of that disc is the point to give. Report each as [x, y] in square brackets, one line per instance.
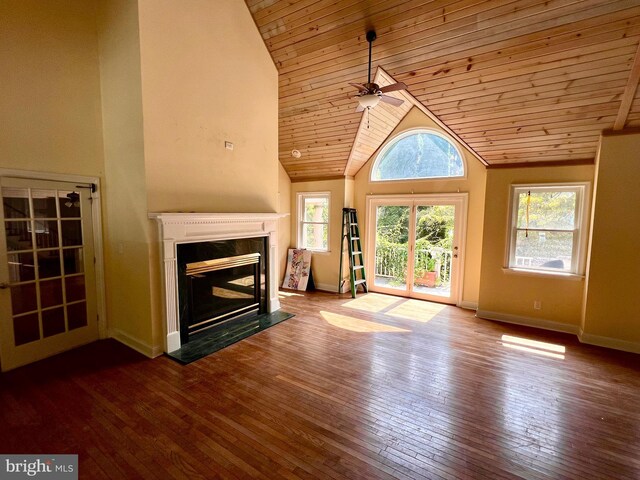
[372, 88]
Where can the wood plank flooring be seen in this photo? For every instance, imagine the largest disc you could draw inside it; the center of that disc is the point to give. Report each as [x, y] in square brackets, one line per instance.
[373, 388]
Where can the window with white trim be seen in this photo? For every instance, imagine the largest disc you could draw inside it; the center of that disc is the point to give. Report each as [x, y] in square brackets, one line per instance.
[313, 221]
[547, 231]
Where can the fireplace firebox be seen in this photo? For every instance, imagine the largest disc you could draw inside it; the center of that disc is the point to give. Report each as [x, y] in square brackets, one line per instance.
[220, 282]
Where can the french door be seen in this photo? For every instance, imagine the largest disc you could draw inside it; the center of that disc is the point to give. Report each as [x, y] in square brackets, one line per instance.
[47, 277]
[417, 245]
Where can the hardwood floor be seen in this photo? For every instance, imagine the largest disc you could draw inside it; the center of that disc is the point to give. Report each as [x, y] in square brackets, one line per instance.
[379, 387]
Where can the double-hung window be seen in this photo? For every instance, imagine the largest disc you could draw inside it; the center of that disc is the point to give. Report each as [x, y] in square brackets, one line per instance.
[313, 221]
[547, 231]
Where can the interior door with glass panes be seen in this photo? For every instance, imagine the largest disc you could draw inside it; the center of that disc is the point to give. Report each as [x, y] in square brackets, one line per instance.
[47, 278]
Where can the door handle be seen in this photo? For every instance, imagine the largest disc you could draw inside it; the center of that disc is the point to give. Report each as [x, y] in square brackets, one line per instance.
[4, 285]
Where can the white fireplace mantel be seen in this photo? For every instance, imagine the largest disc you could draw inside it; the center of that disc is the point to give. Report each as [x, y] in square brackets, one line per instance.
[176, 228]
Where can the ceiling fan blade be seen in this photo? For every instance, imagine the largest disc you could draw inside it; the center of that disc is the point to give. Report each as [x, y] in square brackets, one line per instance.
[396, 102]
[393, 87]
[359, 108]
[359, 86]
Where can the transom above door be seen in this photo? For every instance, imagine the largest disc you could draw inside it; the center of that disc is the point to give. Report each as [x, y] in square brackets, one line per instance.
[415, 245]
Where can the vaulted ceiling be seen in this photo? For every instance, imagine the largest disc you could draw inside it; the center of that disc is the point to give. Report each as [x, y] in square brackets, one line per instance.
[518, 81]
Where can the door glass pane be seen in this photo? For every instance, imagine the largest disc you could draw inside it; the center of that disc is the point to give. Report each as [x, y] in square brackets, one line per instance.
[18, 235]
[23, 298]
[46, 233]
[49, 263]
[21, 267]
[71, 233]
[77, 314]
[392, 241]
[44, 203]
[69, 204]
[74, 288]
[26, 328]
[72, 259]
[52, 322]
[434, 249]
[15, 202]
[51, 293]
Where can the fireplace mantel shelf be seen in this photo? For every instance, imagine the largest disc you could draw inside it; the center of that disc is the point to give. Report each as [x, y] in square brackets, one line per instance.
[175, 228]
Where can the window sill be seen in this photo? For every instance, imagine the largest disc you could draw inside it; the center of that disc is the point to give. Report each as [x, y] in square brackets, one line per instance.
[540, 273]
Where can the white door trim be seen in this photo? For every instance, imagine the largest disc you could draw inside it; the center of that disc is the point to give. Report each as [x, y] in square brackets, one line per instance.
[96, 219]
[414, 199]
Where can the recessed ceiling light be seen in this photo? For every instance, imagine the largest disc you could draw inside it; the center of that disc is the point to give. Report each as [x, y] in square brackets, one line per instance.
[296, 153]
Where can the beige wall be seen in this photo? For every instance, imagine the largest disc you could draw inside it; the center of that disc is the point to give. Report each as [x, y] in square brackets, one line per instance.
[474, 184]
[512, 294]
[325, 266]
[284, 224]
[125, 208]
[613, 278]
[50, 118]
[207, 78]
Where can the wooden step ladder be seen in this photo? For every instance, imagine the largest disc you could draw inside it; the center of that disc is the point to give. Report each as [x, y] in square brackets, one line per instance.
[351, 233]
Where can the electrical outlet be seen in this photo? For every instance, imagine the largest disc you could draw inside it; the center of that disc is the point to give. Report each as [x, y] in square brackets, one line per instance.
[228, 145]
[537, 305]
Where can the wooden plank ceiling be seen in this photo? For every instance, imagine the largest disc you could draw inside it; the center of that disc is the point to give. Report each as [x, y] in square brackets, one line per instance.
[518, 81]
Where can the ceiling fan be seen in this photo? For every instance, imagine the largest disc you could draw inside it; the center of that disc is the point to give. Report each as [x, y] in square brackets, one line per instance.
[369, 94]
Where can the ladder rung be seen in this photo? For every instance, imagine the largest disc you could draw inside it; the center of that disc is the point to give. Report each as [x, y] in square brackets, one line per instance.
[356, 253]
[359, 282]
[355, 238]
[358, 267]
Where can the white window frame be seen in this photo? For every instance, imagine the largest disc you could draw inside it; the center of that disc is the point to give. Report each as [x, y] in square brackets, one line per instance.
[407, 133]
[578, 260]
[302, 196]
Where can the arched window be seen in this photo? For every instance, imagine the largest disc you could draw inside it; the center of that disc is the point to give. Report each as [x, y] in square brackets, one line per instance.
[418, 154]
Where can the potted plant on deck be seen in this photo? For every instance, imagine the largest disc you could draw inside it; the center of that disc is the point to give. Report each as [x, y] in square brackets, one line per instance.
[428, 276]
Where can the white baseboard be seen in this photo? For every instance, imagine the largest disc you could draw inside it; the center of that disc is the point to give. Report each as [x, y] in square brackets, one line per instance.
[326, 287]
[469, 305]
[624, 345]
[528, 321]
[136, 344]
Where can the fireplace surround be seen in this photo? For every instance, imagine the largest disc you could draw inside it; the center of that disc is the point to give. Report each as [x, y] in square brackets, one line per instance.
[178, 229]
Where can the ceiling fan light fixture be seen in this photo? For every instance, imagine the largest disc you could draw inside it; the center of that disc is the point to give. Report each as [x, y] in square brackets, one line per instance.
[369, 100]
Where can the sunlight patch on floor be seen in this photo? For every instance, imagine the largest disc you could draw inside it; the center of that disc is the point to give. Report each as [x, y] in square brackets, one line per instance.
[417, 310]
[534, 346]
[357, 325]
[289, 294]
[372, 302]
